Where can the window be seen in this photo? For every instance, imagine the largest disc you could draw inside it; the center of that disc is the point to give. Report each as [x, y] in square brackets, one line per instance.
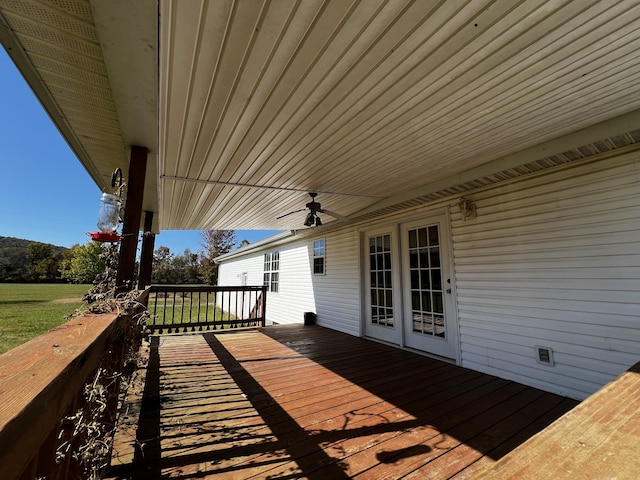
[318, 257]
[271, 271]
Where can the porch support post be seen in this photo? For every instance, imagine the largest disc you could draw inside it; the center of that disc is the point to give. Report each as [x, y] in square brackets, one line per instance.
[146, 254]
[132, 214]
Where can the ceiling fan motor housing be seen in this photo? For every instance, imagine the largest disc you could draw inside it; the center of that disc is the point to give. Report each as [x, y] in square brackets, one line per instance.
[314, 207]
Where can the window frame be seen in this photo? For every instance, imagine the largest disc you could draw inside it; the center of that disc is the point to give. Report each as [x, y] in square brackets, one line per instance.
[317, 256]
[271, 271]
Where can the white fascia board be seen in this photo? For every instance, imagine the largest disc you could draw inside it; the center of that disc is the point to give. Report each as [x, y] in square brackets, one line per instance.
[260, 244]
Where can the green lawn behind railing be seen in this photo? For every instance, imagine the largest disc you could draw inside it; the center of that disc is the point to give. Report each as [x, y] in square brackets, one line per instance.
[28, 310]
[185, 309]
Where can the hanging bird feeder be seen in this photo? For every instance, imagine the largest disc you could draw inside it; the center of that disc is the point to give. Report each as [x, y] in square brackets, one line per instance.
[109, 213]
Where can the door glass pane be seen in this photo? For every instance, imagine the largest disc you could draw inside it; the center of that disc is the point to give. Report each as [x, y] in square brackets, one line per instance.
[436, 279]
[433, 236]
[437, 302]
[415, 279]
[434, 257]
[381, 280]
[413, 239]
[426, 281]
[424, 258]
[439, 329]
[415, 300]
[422, 237]
[413, 260]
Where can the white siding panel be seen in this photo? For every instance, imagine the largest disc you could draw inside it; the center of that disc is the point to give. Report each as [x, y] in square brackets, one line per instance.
[338, 291]
[553, 260]
[295, 292]
[334, 297]
[230, 273]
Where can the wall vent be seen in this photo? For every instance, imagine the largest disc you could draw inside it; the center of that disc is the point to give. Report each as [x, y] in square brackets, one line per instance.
[544, 355]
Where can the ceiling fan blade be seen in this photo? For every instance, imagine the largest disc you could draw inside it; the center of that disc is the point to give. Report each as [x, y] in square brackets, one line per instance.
[335, 215]
[290, 213]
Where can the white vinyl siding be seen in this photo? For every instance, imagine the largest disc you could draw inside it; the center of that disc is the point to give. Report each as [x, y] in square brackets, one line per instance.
[553, 261]
[230, 273]
[295, 293]
[334, 297]
[338, 291]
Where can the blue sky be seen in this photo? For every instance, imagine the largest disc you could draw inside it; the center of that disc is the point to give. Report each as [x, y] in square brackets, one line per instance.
[46, 195]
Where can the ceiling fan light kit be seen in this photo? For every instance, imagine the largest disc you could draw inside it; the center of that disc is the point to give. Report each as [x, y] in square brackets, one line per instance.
[312, 218]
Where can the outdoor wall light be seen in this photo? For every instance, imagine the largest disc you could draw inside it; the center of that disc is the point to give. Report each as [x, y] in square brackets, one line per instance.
[467, 209]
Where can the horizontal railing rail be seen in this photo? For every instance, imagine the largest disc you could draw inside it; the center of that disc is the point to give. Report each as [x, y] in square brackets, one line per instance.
[42, 382]
[184, 308]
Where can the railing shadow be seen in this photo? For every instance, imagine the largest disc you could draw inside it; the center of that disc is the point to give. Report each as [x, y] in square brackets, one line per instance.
[199, 433]
[455, 406]
[211, 416]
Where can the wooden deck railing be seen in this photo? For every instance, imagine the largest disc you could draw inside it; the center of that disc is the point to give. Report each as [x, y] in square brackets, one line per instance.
[186, 308]
[42, 383]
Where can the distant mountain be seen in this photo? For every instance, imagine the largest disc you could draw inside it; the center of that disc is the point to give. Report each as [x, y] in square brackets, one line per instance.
[14, 260]
[12, 244]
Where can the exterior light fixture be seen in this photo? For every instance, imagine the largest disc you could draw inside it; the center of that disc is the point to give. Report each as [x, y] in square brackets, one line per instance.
[309, 221]
[467, 209]
[109, 212]
[312, 220]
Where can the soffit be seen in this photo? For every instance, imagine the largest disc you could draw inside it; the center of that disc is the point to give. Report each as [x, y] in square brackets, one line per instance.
[93, 66]
[261, 102]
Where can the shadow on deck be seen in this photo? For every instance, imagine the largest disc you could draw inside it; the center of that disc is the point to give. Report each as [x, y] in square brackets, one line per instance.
[308, 402]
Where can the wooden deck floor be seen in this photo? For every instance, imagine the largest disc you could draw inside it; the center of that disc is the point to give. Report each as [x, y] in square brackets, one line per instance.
[307, 402]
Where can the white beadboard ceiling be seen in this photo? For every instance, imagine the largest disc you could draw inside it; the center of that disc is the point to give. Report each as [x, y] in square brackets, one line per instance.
[247, 105]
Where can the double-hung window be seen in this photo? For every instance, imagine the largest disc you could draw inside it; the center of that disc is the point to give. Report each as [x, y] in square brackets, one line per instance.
[318, 257]
[271, 271]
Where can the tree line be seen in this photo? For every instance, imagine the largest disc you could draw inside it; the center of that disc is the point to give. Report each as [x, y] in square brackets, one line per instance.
[35, 262]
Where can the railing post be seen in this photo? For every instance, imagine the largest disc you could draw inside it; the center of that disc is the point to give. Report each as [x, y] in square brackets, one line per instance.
[146, 253]
[264, 305]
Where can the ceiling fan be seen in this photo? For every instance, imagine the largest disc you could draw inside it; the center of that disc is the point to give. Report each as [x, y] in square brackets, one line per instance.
[312, 217]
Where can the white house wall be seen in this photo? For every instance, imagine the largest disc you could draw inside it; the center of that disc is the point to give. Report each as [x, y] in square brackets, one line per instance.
[232, 275]
[295, 293]
[338, 291]
[334, 297]
[553, 261]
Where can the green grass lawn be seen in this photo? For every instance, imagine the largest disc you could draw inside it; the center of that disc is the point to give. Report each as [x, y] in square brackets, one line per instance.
[28, 310]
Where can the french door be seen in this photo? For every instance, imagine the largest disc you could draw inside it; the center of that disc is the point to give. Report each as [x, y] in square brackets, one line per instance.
[428, 320]
[382, 308]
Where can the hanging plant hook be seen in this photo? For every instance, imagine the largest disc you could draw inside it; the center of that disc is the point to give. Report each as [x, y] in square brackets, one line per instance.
[116, 181]
[116, 178]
